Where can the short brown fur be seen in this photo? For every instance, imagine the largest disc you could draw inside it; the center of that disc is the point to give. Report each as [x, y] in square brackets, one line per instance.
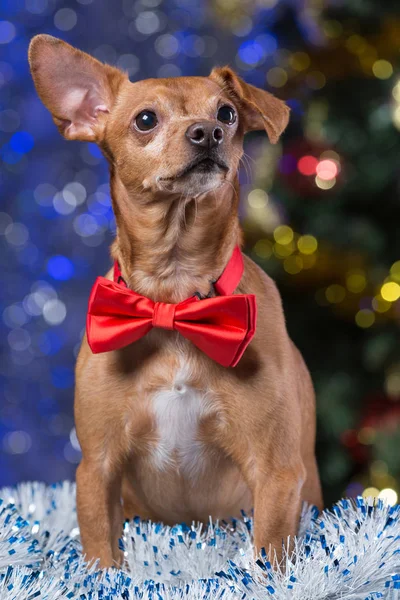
[175, 233]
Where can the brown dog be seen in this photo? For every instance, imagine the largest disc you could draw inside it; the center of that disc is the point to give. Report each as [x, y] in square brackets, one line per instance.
[172, 433]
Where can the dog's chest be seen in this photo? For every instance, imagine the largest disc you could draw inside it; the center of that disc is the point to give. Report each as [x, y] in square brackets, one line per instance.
[179, 412]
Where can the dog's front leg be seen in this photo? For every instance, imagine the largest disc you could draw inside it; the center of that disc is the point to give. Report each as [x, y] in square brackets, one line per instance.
[277, 508]
[100, 513]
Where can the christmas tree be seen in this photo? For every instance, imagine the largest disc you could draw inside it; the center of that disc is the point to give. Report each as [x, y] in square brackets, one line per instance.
[322, 218]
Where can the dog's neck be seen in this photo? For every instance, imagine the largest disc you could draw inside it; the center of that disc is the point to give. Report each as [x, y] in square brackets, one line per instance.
[169, 247]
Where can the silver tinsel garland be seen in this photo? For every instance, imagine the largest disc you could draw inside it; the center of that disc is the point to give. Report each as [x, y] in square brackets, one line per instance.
[351, 552]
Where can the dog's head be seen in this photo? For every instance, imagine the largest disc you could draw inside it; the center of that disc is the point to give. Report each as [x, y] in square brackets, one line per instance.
[181, 135]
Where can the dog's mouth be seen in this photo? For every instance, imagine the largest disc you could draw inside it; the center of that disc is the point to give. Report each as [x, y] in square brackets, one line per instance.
[200, 165]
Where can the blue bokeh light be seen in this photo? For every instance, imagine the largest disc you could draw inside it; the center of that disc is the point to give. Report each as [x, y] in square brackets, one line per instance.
[94, 150]
[50, 342]
[251, 52]
[7, 32]
[9, 156]
[60, 267]
[268, 42]
[22, 142]
[287, 164]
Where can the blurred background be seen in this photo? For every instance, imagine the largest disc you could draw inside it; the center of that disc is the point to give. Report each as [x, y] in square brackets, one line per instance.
[320, 211]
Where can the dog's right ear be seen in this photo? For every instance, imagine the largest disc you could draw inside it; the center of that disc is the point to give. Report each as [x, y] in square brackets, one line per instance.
[76, 88]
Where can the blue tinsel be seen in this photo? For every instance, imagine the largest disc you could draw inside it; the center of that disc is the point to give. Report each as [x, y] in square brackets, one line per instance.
[350, 552]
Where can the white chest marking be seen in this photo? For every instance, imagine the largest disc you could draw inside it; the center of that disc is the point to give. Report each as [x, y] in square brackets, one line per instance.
[178, 411]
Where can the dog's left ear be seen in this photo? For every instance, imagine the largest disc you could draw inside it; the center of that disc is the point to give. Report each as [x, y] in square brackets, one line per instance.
[258, 108]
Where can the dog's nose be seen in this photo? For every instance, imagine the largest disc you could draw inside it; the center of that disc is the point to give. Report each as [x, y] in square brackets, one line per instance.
[205, 134]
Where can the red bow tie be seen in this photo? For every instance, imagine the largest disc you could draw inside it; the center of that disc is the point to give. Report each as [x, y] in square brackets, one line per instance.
[221, 327]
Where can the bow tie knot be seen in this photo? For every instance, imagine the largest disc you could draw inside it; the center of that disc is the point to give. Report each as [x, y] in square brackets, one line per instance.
[164, 315]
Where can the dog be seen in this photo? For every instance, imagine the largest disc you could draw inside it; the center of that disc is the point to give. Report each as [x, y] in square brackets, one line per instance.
[181, 422]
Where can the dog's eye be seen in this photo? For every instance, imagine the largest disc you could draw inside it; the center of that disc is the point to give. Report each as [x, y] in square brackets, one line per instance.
[146, 120]
[226, 114]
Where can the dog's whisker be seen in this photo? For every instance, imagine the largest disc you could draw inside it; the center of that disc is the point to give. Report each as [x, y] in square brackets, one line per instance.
[244, 165]
[247, 168]
[195, 211]
[185, 202]
[233, 187]
[249, 157]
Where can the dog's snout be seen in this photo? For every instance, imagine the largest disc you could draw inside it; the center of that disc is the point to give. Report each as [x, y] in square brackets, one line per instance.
[205, 134]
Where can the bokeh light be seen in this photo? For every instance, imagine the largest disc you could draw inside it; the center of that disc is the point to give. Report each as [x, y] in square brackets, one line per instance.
[307, 165]
[60, 267]
[326, 169]
[390, 291]
[388, 495]
[323, 183]
[7, 32]
[65, 19]
[283, 234]
[356, 281]
[307, 244]
[382, 69]
[365, 318]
